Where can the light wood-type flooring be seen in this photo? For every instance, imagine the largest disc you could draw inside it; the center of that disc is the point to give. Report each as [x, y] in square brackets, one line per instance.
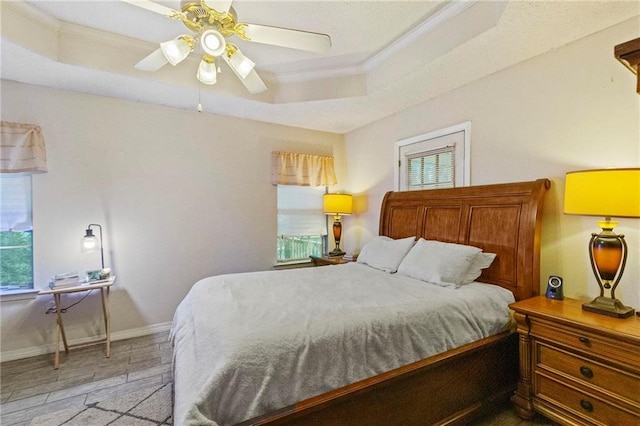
[32, 392]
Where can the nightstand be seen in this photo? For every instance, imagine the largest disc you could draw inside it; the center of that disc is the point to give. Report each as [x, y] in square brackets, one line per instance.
[104, 287]
[577, 367]
[330, 260]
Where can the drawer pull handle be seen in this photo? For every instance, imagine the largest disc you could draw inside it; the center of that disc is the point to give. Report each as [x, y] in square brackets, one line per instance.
[584, 340]
[586, 405]
[586, 372]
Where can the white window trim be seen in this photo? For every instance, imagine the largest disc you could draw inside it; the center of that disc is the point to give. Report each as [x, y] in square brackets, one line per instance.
[462, 127]
[22, 294]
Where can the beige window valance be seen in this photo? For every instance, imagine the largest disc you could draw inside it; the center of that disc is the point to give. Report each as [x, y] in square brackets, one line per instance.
[289, 168]
[22, 148]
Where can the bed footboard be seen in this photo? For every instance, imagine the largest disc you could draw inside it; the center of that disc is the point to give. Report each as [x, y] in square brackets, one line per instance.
[448, 389]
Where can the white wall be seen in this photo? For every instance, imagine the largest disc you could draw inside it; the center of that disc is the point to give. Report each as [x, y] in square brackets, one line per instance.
[183, 195]
[180, 196]
[573, 108]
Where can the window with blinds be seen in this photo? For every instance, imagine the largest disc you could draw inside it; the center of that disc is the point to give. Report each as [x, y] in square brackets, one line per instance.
[438, 159]
[22, 154]
[16, 235]
[431, 169]
[301, 223]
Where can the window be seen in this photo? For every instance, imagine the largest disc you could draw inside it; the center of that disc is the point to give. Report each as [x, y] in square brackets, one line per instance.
[16, 234]
[434, 160]
[431, 169]
[301, 181]
[301, 223]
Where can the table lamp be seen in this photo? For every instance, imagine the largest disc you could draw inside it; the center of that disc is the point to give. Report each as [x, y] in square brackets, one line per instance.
[337, 205]
[607, 193]
[90, 243]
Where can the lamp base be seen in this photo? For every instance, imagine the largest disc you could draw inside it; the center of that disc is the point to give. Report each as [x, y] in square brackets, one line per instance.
[336, 252]
[609, 307]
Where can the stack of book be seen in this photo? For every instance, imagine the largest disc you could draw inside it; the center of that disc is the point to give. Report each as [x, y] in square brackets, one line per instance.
[350, 257]
[68, 279]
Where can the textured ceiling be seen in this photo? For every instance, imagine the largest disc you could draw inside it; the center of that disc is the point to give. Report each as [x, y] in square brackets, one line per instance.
[386, 56]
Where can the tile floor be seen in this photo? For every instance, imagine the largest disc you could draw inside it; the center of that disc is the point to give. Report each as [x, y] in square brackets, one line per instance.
[30, 389]
[508, 417]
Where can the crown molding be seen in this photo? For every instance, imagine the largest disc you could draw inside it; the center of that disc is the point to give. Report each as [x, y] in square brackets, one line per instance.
[111, 39]
[439, 18]
[28, 11]
[320, 74]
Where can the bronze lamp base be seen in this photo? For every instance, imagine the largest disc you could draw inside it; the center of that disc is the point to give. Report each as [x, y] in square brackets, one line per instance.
[336, 252]
[608, 306]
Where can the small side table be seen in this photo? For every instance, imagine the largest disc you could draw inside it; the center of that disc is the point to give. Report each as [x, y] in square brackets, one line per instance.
[104, 287]
[330, 260]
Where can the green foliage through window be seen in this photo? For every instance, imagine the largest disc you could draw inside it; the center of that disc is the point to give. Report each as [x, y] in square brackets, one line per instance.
[300, 247]
[16, 260]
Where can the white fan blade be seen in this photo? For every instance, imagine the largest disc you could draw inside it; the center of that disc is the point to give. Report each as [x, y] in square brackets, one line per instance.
[218, 5]
[252, 82]
[295, 39]
[155, 7]
[153, 62]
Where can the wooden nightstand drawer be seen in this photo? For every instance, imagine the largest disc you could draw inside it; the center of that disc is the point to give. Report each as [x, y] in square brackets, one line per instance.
[587, 342]
[577, 367]
[586, 406]
[622, 383]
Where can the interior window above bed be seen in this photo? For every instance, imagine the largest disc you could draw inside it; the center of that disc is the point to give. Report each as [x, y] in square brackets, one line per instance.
[301, 223]
[431, 169]
[434, 160]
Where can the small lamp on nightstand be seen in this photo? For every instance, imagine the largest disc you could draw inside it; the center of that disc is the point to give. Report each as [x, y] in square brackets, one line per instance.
[337, 205]
[608, 193]
[90, 242]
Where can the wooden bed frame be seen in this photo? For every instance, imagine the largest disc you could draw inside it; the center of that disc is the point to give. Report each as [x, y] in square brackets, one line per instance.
[459, 385]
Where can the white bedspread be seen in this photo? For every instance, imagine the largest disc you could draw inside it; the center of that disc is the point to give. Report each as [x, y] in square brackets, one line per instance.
[248, 344]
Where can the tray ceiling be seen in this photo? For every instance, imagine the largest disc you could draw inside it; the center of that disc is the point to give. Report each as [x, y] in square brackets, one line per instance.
[386, 55]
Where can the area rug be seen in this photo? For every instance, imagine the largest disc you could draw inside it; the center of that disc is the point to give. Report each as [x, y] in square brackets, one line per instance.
[146, 407]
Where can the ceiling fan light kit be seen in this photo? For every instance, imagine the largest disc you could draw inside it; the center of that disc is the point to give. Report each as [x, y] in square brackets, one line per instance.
[240, 63]
[213, 22]
[178, 49]
[207, 72]
[213, 42]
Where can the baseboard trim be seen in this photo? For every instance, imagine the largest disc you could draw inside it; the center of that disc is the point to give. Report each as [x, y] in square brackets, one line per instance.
[116, 335]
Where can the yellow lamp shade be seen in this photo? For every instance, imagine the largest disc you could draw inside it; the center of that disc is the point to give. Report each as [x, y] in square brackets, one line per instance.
[337, 204]
[604, 192]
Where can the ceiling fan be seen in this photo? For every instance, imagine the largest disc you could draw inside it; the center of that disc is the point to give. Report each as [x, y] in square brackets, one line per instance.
[212, 22]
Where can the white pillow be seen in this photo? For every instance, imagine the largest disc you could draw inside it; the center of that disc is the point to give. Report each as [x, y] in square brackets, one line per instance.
[385, 253]
[444, 264]
[480, 262]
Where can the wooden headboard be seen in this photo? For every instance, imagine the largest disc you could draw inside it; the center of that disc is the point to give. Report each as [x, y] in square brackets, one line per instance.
[504, 219]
